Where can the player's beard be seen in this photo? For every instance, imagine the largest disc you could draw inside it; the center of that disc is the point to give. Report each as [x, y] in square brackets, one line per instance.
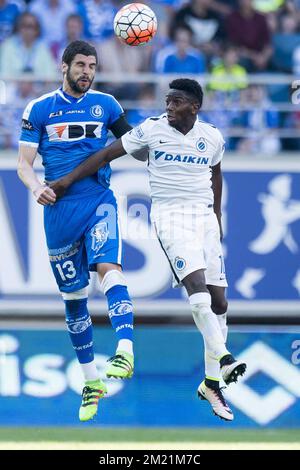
[74, 84]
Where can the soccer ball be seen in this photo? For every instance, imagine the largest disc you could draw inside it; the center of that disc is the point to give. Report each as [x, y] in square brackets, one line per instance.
[135, 24]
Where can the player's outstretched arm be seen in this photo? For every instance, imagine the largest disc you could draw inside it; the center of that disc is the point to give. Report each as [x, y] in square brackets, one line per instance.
[43, 194]
[89, 167]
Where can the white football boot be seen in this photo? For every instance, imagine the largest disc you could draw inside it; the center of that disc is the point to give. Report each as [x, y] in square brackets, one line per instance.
[231, 372]
[216, 399]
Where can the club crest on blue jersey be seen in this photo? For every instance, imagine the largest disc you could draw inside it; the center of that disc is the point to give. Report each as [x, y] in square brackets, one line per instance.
[99, 236]
[179, 263]
[97, 111]
[201, 144]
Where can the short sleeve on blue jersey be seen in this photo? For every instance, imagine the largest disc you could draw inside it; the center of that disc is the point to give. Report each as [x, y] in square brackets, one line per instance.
[115, 111]
[31, 126]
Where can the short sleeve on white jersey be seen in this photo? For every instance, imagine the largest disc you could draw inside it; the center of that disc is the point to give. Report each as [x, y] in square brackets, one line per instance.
[220, 149]
[138, 137]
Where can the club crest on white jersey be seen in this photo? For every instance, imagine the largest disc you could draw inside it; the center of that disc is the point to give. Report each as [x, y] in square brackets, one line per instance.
[201, 145]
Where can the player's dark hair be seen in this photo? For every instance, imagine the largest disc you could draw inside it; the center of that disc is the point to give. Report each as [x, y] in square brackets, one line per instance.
[78, 47]
[191, 87]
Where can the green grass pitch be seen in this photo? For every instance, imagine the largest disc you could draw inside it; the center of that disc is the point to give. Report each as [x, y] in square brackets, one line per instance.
[147, 439]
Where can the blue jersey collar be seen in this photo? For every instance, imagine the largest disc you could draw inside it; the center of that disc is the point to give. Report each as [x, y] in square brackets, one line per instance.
[68, 98]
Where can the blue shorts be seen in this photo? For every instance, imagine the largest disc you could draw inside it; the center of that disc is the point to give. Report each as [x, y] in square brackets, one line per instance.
[80, 234]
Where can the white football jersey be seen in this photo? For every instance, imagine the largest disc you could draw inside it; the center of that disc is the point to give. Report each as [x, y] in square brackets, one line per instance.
[179, 165]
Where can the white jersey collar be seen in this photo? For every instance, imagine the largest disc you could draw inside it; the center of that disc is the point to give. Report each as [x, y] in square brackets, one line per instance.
[191, 133]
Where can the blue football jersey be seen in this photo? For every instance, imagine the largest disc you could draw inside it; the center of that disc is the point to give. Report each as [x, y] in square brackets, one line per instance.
[67, 130]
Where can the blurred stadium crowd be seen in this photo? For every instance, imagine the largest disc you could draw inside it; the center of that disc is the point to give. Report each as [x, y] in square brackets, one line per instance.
[239, 50]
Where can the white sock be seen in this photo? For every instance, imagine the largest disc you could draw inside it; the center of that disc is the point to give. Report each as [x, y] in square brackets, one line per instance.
[222, 319]
[207, 324]
[125, 345]
[212, 365]
[90, 371]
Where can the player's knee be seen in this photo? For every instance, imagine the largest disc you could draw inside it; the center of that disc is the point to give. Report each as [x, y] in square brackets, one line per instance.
[105, 268]
[195, 282]
[76, 295]
[119, 303]
[112, 278]
[76, 305]
[194, 285]
[219, 307]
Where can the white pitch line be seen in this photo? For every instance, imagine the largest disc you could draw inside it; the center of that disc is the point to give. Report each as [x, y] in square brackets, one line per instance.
[149, 446]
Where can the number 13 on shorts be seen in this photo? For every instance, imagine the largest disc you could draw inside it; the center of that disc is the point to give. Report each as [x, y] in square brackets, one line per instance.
[66, 270]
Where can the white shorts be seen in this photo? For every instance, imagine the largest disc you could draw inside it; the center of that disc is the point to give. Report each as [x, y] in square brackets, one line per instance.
[192, 242]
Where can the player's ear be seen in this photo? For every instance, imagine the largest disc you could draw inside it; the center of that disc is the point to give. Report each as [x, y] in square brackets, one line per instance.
[196, 107]
[64, 67]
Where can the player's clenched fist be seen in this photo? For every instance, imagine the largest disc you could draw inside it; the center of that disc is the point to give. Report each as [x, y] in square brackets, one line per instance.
[44, 195]
[59, 187]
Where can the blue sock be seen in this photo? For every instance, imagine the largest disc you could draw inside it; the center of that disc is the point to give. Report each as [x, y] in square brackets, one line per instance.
[80, 329]
[120, 311]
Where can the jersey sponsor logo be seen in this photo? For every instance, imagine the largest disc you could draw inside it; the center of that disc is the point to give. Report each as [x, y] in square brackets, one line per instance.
[27, 125]
[97, 111]
[158, 154]
[63, 253]
[76, 111]
[99, 236]
[71, 111]
[56, 114]
[64, 249]
[201, 145]
[72, 131]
